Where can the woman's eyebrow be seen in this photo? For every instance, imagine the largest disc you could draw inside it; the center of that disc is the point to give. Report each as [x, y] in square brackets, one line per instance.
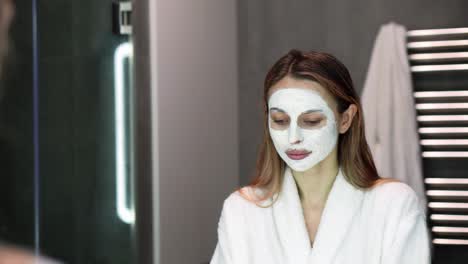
[277, 109]
[306, 112]
[312, 111]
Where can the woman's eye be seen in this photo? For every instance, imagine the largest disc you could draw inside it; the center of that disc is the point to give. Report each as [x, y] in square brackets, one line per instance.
[316, 122]
[280, 121]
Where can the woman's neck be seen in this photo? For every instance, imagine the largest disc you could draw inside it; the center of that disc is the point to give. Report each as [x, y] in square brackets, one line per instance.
[315, 183]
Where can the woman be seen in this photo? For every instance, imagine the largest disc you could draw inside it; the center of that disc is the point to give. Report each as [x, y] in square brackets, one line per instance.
[316, 196]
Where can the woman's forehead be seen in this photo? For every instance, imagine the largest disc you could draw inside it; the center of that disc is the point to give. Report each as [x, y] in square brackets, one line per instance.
[290, 81]
[300, 95]
[296, 101]
[304, 84]
[297, 98]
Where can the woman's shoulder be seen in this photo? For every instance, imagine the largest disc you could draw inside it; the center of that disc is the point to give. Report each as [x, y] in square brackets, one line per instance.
[392, 194]
[389, 186]
[243, 198]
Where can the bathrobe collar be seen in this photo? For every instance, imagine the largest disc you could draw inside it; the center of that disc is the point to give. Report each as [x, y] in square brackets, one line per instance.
[342, 204]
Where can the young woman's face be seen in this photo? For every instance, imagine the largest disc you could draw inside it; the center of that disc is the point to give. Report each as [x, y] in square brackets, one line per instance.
[302, 122]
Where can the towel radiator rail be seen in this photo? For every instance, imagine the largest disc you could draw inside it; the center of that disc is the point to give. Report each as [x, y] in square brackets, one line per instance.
[442, 116]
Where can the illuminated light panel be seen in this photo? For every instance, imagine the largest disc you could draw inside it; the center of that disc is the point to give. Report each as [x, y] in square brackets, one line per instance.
[126, 214]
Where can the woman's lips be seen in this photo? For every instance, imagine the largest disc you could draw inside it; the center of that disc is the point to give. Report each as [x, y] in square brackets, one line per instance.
[297, 155]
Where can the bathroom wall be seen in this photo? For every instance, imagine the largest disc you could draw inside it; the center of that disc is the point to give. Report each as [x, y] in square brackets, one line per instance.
[195, 75]
[347, 29]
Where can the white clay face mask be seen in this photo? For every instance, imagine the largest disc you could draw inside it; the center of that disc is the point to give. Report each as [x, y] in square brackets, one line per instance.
[302, 127]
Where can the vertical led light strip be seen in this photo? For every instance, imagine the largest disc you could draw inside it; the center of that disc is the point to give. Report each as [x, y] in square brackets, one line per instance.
[122, 162]
[35, 64]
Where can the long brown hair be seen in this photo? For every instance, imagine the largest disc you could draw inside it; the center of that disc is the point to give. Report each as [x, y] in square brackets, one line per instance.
[354, 155]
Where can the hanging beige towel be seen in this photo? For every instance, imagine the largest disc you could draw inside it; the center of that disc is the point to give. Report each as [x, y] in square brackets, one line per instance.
[389, 110]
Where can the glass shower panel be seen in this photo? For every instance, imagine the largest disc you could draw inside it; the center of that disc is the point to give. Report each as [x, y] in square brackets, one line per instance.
[16, 137]
[66, 120]
[86, 208]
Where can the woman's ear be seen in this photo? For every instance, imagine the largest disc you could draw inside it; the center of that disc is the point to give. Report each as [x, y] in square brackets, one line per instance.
[347, 118]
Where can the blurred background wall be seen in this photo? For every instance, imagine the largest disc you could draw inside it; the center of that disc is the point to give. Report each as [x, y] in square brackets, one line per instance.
[196, 71]
[346, 29]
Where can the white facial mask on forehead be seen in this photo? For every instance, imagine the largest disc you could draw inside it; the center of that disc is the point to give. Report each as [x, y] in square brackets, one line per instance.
[319, 141]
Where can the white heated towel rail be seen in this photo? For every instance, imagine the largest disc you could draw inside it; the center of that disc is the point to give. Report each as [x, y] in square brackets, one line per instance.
[439, 64]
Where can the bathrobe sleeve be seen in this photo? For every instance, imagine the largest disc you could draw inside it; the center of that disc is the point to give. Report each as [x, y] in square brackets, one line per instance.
[230, 247]
[410, 244]
[406, 239]
[222, 253]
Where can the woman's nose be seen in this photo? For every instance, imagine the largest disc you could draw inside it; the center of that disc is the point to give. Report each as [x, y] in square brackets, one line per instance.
[295, 135]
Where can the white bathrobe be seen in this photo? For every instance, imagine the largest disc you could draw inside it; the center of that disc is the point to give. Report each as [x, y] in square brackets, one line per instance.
[385, 225]
[390, 112]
